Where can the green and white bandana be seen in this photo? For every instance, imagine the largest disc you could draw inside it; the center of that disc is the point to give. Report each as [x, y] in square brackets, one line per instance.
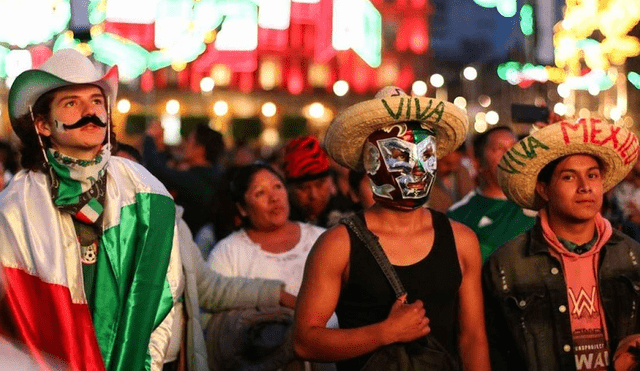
[81, 184]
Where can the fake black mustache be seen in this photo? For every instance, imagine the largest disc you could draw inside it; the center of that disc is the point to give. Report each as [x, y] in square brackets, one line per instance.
[93, 119]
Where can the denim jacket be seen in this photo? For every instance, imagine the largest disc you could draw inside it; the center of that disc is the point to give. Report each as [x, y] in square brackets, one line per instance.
[526, 305]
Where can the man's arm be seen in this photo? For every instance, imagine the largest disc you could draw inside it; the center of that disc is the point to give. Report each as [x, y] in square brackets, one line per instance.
[318, 298]
[474, 349]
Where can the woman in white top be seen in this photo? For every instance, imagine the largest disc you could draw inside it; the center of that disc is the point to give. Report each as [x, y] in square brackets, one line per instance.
[269, 245]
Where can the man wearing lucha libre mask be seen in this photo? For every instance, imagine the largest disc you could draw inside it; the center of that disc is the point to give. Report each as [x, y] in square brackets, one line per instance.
[396, 139]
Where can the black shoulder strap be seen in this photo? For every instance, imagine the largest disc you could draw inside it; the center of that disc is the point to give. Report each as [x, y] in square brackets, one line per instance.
[357, 226]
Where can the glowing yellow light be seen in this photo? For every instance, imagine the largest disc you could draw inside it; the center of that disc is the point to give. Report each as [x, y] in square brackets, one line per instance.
[123, 105]
[419, 88]
[470, 73]
[221, 74]
[340, 88]
[172, 107]
[628, 121]
[480, 126]
[492, 117]
[269, 74]
[480, 116]
[207, 84]
[461, 102]
[316, 110]
[178, 66]
[560, 109]
[584, 112]
[615, 114]
[437, 80]
[564, 90]
[269, 109]
[220, 108]
[270, 137]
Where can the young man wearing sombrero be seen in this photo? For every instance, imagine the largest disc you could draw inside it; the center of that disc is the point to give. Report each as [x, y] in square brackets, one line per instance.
[86, 239]
[396, 139]
[562, 295]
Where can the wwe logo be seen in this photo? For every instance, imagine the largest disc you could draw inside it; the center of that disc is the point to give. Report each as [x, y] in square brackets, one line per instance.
[583, 302]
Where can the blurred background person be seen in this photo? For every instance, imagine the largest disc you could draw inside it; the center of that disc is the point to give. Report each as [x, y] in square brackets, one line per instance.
[486, 210]
[194, 187]
[313, 192]
[360, 190]
[626, 195]
[9, 165]
[129, 152]
[453, 181]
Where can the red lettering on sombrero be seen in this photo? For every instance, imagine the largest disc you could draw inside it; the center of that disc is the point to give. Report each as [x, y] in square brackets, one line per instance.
[591, 134]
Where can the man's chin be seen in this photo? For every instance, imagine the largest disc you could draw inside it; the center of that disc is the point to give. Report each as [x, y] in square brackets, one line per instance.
[405, 205]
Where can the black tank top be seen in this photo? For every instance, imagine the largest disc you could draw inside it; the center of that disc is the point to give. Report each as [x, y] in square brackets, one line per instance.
[367, 296]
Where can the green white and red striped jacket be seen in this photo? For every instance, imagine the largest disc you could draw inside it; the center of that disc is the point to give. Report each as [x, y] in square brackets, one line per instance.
[45, 307]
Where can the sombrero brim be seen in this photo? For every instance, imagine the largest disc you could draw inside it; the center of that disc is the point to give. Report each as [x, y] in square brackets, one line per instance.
[348, 132]
[32, 84]
[616, 147]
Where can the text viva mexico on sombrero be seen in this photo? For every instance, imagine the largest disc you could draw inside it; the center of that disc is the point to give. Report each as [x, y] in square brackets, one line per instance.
[593, 132]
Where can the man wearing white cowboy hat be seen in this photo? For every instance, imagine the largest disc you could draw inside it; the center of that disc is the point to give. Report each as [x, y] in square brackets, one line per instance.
[562, 295]
[86, 240]
[396, 139]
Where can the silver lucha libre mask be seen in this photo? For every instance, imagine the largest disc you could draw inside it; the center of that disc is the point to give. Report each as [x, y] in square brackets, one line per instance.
[400, 161]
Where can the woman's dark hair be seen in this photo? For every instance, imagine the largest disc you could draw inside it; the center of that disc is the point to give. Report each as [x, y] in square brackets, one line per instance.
[31, 156]
[243, 176]
[546, 173]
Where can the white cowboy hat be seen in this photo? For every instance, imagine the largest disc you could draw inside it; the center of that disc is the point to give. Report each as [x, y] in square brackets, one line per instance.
[347, 133]
[64, 68]
[615, 146]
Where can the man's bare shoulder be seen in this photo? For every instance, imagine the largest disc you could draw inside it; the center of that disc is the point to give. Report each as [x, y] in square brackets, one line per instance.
[333, 238]
[466, 239]
[330, 254]
[462, 231]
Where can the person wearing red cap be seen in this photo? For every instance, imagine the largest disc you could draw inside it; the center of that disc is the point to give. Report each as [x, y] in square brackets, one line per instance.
[312, 189]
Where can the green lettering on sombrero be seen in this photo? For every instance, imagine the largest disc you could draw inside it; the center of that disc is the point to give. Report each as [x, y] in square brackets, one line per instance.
[417, 113]
[395, 115]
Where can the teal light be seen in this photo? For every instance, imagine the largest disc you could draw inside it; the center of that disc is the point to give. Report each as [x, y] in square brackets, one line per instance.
[506, 8]
[27, 23]
[506, 68]
[64, 42]
[633, 77]
[486, 3]
[130, 57]
[3, 55]
[95, 14]
[526, 20]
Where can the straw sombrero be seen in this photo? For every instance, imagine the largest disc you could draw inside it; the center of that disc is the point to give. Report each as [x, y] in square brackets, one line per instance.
[518, 170]
[65, 67]
[346, 135]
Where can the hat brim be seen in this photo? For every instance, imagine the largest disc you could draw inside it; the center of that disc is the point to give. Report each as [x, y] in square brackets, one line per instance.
[345, 137]
[614, 146]
[32, 84]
